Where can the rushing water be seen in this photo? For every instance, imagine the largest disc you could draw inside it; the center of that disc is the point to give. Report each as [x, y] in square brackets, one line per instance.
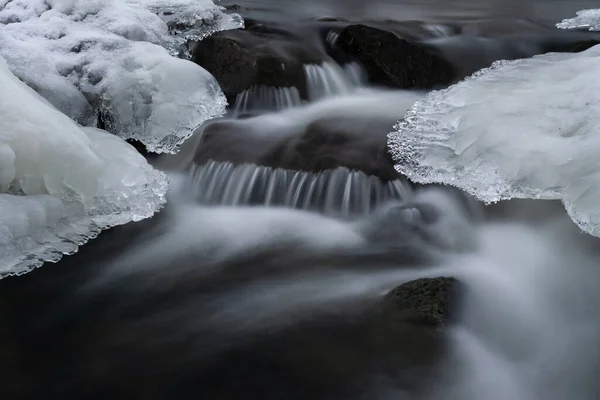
[530, 317]
[247, 252]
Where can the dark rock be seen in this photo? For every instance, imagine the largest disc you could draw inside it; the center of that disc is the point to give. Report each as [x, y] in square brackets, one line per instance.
[258, 55]
[392, 61]
[427, 301]
[234, 7]
[326, 146]
[141, 148]
[331, 19]
[233, 141]
[321, 145]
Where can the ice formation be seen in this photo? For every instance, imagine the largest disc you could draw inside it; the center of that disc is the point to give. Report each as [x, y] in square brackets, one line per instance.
[585, 19]
[60, 184]
[112, 58]
[522, 129]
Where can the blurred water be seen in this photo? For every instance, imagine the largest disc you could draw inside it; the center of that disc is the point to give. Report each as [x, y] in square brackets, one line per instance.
[543, 10]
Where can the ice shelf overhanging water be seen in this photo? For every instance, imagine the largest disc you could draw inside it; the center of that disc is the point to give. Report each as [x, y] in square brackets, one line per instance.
[520, 129]
[60, 184]
[585, 19]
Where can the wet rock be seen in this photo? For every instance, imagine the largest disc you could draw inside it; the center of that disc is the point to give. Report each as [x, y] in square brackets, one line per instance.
[339, 355]
[393, 61]
[257, 55]
[327, 146]
[235, 7]
[321, 145]
[427, 301]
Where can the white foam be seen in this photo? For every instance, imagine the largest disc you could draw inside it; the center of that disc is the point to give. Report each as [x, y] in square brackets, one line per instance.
[585, 19]
[60, 184]
[522, 129]
[91, 56]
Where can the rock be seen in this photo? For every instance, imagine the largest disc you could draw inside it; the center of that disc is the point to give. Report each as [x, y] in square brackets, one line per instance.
[393, 61]
[235, 7]
[427, 301]
[325, 145]
[258, 55]
[321, 145]
[13, 379]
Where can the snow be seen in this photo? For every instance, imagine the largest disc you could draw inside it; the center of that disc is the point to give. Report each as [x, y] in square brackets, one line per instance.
[60, 184]
[114, 58]
[522, 129]
[585, 19]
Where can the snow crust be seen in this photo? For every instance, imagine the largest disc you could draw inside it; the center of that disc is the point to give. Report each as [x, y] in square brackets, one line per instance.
[522, 129]
[61, 184]
[113, 59]
[585, 19]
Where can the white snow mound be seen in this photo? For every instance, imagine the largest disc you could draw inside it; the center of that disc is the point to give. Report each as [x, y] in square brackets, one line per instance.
[113, 59]
[522, 129]
[585, 19]
[60, 184]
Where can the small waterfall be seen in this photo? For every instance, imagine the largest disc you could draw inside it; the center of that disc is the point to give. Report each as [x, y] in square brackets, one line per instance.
[332, 37]
[329, 79]
[356, 74]
[339, 192]
[266, 98]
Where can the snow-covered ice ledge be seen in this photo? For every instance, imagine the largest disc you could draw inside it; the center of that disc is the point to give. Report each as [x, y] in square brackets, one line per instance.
[113, 57]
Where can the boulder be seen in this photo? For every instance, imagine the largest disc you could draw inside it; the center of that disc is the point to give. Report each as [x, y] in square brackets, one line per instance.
[321, 145]
[257, 55]
[326, 146]
[427, 301]
[392, 61]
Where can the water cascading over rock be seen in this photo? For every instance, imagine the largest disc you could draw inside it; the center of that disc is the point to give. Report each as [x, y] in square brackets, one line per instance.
[338, 191]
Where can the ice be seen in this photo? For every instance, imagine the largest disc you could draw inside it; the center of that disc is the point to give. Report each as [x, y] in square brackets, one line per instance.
[60, 184]
[522, 129]
[585, 19]
[113, 59]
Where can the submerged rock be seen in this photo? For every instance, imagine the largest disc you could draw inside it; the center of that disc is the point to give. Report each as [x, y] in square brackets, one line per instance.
[393, 61]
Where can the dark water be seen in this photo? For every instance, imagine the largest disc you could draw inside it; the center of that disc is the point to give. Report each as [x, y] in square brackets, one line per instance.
[428, 10]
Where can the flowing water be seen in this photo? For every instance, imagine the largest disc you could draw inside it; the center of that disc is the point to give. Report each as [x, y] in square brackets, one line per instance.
[246, 251]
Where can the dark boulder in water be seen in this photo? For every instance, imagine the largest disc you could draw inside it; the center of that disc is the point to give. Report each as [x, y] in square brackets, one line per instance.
[321, 145]
[257, 55]
[428, 301]
[393, 61]
[327, 146]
